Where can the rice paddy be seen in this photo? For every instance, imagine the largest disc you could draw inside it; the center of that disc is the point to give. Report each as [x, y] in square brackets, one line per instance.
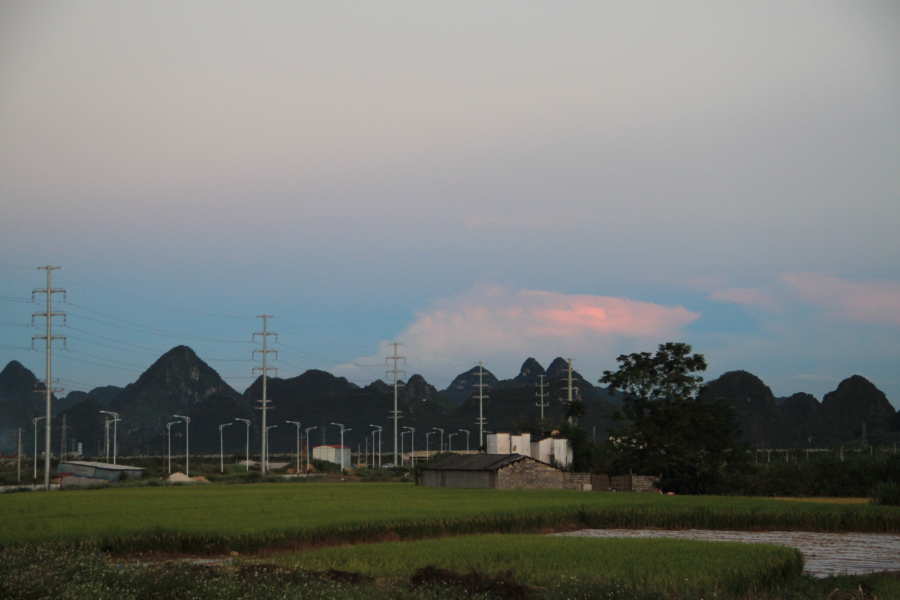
[216, 519]
[672, 566]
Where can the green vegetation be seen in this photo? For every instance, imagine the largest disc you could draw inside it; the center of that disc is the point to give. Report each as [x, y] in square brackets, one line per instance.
[214, 518]
[886, 493]
[542, 560]
[666, 427]
[39, 572]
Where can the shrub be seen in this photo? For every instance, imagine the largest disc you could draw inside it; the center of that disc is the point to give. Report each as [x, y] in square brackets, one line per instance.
[886, 493]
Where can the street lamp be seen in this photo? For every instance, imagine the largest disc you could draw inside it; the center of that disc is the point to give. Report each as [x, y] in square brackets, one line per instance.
[308, 429]
[187, 444]
[426, 442]
[247, 423]
[402, 446]
[267, 445]
[169, 430]
[222, 447]
[413, 440]
[379, 444]
[467, 439]
[35, 421]
[450, 441]
[442, 437]
[342, 442]
[297, 423]
[115, 431]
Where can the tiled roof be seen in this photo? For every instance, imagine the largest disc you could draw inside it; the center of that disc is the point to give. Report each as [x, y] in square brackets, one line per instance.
[475, 462]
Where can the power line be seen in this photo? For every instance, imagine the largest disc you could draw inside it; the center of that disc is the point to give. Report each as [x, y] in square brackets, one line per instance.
[87, 362]
[153, 302]
[103, 358]
[153, 330]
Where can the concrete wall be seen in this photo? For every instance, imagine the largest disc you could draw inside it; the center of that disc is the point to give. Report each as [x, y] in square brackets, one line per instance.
[333, 455]
[498, 443]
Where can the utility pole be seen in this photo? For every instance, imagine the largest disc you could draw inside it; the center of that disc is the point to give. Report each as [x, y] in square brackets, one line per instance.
[48, 338]
[264, 463]
[396, 413]
[62, 441]
[19, 456]
[541, 395]
[571, 419]
[480, 385]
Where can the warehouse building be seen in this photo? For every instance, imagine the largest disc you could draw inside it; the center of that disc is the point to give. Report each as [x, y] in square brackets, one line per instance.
[332, 454]
[77, 472]
[501, 472]
[551, 450]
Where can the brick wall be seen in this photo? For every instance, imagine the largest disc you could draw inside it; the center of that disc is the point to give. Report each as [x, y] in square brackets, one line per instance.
[577, 481]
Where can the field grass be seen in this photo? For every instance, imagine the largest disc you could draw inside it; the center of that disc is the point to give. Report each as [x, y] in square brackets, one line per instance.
[215, 519]
[540, 560]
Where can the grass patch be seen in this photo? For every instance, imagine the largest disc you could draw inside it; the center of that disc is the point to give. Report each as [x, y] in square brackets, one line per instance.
[671, 566]
[215, 519]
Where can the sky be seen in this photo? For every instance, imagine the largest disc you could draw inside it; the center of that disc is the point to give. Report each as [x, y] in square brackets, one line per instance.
[477, 181]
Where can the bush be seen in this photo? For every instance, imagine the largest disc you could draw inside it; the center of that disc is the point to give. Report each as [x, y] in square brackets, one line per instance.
[886, 493]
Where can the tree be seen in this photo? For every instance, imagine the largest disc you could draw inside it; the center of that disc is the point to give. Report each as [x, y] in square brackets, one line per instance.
[666, 427]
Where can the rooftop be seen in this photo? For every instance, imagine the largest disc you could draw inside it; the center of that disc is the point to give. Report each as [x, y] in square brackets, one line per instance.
[100, 465]
[476, 462]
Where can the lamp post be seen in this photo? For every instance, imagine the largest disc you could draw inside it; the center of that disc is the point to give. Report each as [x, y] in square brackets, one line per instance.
[426, 443]
[379, 444]
[467, 439]
[297, 423]
[266, 460]
[106, 438]
[402, 445]
[187, 444]
[450, 441]
[412, 439]
[308, 429]
[35, 421]
[442, 438]
[247, 423]
[116, 419]
[222, 447]
[169, 431]
[342, 442]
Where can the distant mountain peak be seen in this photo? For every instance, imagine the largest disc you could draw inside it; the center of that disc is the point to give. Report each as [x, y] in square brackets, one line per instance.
[530, 372]
[463, 386]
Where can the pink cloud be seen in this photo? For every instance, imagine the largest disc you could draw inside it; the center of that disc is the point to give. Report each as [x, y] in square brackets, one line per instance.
[866, 302]
[504, 327]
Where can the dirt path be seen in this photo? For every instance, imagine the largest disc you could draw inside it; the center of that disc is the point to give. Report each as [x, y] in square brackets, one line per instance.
[825, 553]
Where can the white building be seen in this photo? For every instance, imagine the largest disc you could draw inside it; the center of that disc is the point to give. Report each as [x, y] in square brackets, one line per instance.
[333, 454]
[505, 443]
[550, 450]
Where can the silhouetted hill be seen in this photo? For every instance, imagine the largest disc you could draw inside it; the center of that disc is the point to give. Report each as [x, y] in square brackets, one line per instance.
[796, 412]
[464, 385]
[22, 398]
[840, 417]
[105, 395]
[175, 384]
[85, 425]
[530, 373]
[755, 409]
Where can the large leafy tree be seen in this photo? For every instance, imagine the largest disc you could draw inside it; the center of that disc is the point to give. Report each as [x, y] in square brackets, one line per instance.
[665, 427]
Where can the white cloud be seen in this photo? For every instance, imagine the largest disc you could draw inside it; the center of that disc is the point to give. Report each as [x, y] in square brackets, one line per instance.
[865, 302]
[503, 327]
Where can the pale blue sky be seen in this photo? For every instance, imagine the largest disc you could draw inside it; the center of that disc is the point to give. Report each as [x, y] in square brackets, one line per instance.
[482, 181]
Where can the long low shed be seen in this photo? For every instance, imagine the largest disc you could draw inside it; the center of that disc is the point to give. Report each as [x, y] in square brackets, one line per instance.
[500, 471]
[78, 472]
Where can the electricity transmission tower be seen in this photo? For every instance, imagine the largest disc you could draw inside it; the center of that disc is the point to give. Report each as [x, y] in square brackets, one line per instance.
[265, 368]
[395, 412]
[569, 401]
[481, 385]
[48, 338]
[63, 450]
[541, 395]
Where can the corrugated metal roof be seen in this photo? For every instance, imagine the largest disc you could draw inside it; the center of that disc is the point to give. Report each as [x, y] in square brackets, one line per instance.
[475, 462]
[99, 465]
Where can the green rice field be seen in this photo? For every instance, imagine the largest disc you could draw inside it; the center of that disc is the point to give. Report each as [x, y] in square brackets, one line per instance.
[542, 560]
[214, 519]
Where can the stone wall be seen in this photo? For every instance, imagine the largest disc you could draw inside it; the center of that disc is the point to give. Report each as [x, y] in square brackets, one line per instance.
[458, 479]
[530, 475]
[577, 481]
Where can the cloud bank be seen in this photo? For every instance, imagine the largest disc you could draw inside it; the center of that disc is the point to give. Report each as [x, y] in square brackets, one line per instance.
[503, 327]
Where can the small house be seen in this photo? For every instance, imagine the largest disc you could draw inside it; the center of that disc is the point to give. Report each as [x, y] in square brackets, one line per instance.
[332, 454]
[500, 472]
[77, 472]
